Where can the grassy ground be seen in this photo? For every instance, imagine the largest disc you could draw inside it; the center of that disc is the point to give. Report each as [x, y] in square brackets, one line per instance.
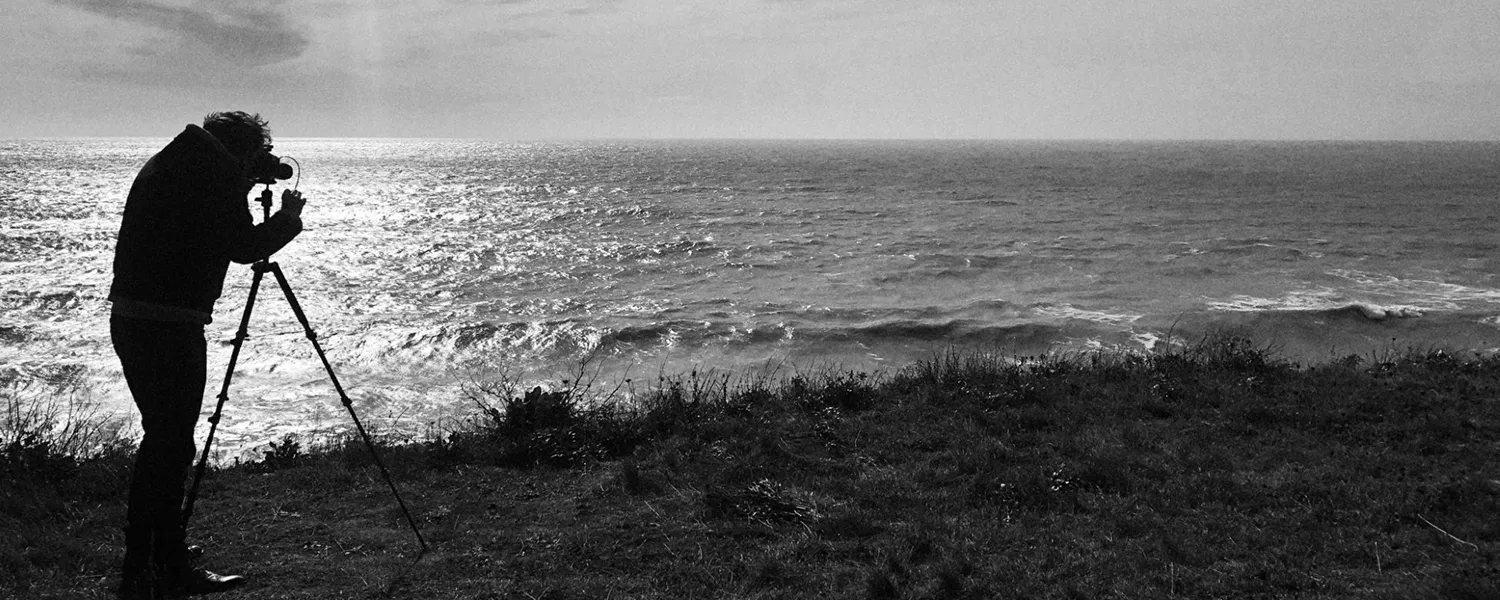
[1210, 472]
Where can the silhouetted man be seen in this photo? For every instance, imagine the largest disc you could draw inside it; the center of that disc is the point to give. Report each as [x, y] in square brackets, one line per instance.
[186, 218]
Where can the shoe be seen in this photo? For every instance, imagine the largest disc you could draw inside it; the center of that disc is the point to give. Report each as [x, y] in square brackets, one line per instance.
[196, 582]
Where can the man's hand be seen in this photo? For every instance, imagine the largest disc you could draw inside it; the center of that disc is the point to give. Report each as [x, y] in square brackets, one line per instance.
[292, 202]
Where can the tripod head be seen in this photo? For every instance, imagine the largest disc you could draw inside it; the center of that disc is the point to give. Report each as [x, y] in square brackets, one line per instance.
[265, 201]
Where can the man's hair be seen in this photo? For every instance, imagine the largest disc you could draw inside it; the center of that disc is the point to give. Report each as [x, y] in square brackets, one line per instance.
[239, 131]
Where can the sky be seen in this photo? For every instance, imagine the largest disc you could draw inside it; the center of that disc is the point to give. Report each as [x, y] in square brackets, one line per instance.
[571, 69]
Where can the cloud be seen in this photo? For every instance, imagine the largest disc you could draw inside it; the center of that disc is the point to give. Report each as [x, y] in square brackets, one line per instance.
[490, 2]
[505, 37]
[578, 8]
[594, 7]
[236, 35]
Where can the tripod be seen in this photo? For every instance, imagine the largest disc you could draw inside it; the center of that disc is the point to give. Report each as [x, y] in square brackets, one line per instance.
[261, 268]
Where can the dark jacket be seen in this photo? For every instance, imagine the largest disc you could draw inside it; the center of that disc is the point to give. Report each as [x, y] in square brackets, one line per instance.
[186, 218]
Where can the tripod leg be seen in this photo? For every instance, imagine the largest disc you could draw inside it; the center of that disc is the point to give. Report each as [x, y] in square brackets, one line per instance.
[286, 289]
[234, 357]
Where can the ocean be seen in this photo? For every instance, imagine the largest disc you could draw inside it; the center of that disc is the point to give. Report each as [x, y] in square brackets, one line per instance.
[430, 264]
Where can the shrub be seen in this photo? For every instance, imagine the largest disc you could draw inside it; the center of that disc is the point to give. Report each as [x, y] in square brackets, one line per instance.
[285, 454]
[50, 426]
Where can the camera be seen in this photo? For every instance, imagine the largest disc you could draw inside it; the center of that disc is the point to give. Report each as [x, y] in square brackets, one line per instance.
[267, 168]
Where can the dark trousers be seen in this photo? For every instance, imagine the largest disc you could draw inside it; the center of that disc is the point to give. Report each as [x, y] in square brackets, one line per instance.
[165, 365]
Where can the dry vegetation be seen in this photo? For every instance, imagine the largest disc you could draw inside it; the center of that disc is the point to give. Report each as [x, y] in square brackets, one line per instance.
[1215, 471]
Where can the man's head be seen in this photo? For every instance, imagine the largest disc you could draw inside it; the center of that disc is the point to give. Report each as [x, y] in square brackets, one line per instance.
[242, 133]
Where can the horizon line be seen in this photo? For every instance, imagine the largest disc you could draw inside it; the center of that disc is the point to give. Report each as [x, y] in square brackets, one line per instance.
[807, 139]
